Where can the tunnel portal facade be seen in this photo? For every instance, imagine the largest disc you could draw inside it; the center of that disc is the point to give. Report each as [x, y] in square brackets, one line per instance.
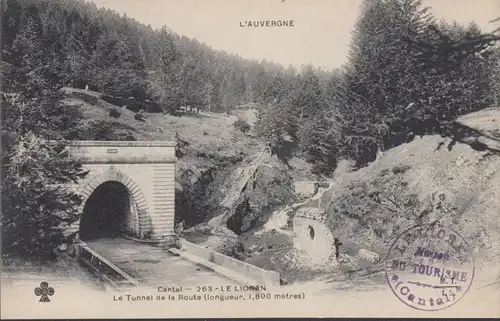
[129, 190]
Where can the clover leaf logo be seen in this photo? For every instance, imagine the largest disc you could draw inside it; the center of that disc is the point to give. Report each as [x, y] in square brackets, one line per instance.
[43, 291]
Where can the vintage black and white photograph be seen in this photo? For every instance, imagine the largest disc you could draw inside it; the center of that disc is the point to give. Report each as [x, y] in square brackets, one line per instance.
[250, 158]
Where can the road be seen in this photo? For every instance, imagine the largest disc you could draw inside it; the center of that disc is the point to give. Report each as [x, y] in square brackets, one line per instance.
[152, 265]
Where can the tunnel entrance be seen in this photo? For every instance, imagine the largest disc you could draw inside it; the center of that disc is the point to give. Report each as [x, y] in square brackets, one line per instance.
[311, 232]
[108, 212]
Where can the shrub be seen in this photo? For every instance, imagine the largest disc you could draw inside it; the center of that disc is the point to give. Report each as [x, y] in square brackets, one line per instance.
[376, 210]
[400, 169]
[140, 116]
[114, 113]
[102, 130]
[180, 149]
[241, 125]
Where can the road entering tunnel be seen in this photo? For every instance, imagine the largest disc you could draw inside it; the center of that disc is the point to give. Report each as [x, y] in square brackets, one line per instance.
[106, 212]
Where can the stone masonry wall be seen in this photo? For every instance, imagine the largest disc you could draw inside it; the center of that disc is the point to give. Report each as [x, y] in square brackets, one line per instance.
[147, 169]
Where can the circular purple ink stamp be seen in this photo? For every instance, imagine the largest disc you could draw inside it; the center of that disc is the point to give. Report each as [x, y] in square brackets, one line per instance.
[429, 267]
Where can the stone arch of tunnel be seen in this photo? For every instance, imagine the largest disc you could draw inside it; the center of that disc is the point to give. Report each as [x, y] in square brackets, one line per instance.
[113, 205]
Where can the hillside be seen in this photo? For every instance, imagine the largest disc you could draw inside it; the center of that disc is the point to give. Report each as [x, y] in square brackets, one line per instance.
[418, 183]
[225, 177]
[209, 150]
[310, 172]
[431, 178]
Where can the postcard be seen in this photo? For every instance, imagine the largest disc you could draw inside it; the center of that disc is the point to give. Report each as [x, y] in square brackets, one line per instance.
[250, 158]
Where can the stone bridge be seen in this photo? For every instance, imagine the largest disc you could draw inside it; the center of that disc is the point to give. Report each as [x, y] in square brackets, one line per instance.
[130, 189]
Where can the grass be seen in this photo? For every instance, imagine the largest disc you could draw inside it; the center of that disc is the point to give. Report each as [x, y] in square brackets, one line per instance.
[206, 136]
[204, 133]
[209, 147]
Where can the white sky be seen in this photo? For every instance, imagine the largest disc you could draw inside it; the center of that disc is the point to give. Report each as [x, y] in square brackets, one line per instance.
[320, 36]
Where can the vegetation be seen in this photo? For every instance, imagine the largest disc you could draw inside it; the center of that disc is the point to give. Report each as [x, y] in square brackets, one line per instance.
[115, 113]
[75, 44]
[35, 206]
[411, 78]
[140, 116]
[393, 90]
[406, 75]
[241, 125]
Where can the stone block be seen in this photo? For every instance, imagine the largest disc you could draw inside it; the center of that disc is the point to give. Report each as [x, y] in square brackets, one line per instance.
[305, 188]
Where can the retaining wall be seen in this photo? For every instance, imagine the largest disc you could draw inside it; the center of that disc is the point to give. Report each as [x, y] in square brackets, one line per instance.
[248, 270]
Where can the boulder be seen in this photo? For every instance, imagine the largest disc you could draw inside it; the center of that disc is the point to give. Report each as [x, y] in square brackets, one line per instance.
[368, 255]
[305, 188]
[222, 240]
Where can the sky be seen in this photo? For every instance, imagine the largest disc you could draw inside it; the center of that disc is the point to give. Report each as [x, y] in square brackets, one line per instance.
[320, 35]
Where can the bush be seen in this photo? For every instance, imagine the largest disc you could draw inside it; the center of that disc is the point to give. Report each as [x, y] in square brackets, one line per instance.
[139, 116]
[114, 113]
[400, 169]
[102, 130]
[180, 149]
[241, 125]
[376, 210]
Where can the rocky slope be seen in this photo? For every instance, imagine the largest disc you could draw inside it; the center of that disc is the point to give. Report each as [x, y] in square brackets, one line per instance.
[452, 180]
[431, 178]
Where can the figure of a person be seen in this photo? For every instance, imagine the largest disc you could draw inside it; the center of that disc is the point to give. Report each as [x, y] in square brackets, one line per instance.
[337, 244]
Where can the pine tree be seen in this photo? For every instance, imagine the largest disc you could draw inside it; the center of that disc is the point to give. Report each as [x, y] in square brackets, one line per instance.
[76, 64]
[319, 139]
[25, 59]
[463, 81]
[408, 75]
[35, 206]
[308, 101]
[165, 84]
[271, 129]
[381, 78]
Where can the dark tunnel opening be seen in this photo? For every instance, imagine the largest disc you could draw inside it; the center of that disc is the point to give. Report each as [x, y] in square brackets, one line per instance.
[105, 212]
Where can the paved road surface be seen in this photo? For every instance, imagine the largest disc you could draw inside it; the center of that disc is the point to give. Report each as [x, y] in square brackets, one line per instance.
[152, 265]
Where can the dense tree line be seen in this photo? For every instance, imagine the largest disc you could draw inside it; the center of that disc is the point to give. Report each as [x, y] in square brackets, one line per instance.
[73, 43]
[406, 75]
